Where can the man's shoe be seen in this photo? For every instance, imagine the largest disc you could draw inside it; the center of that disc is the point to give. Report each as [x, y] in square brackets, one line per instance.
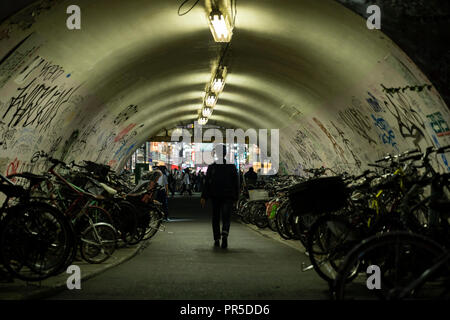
[216, 243]
[224, 242]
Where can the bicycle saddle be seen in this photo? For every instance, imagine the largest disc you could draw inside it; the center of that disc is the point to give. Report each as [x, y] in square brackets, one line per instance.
[108, 189]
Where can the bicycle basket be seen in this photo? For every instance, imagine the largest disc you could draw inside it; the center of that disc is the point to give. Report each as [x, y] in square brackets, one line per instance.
[258, 194]
[321, 195]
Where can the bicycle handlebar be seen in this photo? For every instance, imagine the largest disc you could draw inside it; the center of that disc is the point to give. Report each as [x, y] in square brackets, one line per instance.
[57, 162]
[413, 157]
[390, 157]
[364, 174]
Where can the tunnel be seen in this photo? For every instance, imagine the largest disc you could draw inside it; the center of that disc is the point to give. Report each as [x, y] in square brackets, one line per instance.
[340, 94]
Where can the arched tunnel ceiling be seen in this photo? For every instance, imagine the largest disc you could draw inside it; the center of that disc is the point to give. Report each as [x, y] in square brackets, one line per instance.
[309, 68]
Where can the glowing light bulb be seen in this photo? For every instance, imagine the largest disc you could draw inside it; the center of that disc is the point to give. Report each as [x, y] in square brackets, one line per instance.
[202, 121]
[207, 112]
[219, 80]
[217, 85]
[220, 26]
[211, 100]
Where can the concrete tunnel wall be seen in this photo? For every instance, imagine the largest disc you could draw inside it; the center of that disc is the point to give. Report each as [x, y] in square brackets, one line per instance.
[309, 68]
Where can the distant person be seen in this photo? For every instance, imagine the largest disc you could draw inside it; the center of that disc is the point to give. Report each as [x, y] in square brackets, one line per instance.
[241, 179]
[186, 183]
[201, 181]
[172, 182]
[148, 184]
[251, 177]
[222, 187]
[163, 193]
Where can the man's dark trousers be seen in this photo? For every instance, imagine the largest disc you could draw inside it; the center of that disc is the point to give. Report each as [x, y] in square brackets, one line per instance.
[222, 208]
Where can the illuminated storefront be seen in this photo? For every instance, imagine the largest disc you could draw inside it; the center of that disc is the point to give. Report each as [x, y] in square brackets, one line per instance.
[191, 155]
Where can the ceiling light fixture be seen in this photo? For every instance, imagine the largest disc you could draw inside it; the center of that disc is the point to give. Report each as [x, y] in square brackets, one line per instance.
[202, 121]
[219, 80]
[211, 100]
[220, 26]
[207, 112]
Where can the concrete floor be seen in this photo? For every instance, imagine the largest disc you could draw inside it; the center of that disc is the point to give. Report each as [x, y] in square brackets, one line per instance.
[181, 263]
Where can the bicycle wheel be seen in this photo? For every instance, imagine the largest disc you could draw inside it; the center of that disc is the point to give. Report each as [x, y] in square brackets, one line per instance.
[143, 221]
[35, 240]
[402, 258]
[272, 224]
[280, 221]
[98, 215]
[98, 243]
[242, 201]
[125, 220]
[330, 238]
[251, 218]
[156, 216]
[245, 213]
[90, 215]
[260, 216]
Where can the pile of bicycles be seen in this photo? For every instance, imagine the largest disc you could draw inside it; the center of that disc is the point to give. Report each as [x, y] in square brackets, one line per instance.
[404, 233]
[274, 204]
[70, 212]
[393, 218]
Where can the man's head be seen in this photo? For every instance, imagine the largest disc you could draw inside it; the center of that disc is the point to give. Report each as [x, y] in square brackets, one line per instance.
[250, 169]
[220, 151]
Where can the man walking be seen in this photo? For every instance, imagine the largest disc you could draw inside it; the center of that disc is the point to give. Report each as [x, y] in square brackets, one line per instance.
[222, 187]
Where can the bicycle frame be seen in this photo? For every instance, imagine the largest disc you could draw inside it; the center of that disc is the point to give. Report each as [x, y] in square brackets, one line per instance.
[81, 195]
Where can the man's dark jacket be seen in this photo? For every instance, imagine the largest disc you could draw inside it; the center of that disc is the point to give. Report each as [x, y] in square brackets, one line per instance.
[222, 182]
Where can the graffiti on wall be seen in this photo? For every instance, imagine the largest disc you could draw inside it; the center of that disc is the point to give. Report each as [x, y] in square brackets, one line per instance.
[374, 103]
[337, 148]
[124, 132]
[17, 59]
[68, 144]
[346, 143]
[385, 131]
[410, 124]
[36, 104]
[305, 147]
[438, 124]
[46, 70]
[125, 114]
[13, 168]
[38, 92]
[358, 123]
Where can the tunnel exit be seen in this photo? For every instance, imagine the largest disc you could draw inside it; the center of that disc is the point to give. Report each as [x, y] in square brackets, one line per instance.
[224, 150]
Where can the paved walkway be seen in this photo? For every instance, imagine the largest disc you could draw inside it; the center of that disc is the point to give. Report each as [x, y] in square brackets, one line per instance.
[181, 263]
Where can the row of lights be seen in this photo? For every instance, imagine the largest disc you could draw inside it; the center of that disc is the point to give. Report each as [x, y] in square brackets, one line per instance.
[222, 31]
